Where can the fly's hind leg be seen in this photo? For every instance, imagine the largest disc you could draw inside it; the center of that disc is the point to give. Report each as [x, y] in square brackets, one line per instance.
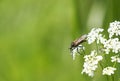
[82, 48]
[78, 51]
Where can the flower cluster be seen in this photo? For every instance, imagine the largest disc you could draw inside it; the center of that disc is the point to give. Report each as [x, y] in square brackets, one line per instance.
[95, 35]
[115, 58]
[110, 45]
[91, 63]
[108, 70]
[114, 29]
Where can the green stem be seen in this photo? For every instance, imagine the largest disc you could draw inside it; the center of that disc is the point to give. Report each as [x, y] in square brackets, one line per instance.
[101, 65]
[107, 78]
[112, 78]
[98, 53]
[114, 64]
[97, 48]
[83, 50]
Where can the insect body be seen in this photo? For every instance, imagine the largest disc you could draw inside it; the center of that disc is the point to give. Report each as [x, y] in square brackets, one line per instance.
[78, 41]
[76, 46]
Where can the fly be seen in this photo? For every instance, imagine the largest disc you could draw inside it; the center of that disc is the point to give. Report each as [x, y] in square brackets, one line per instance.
[78, 41]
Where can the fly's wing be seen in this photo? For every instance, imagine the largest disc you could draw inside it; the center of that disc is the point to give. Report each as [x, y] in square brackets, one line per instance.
[83, 38]
[80, 40]
[75, 43]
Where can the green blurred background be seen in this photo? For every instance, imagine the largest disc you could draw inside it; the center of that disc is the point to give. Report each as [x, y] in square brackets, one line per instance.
[35, 36]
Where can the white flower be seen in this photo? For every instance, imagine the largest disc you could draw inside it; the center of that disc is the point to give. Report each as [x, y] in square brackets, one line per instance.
[106, 45]
[112, 44]
[115, 58]
[101, 39]
[95, 35]
[114, 29]
[76, 50]
[90, 63]
[108, 70]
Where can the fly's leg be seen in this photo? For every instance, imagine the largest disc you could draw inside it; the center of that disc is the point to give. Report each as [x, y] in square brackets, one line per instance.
[71, 51]
[78, 50]
[82, 49]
